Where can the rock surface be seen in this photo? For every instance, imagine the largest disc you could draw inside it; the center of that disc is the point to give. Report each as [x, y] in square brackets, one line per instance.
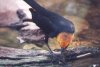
[16, 57]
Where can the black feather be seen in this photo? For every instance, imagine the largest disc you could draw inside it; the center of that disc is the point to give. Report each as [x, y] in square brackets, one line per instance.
[50, 19]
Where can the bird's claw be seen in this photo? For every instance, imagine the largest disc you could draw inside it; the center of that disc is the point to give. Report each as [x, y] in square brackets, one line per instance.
[57, 59]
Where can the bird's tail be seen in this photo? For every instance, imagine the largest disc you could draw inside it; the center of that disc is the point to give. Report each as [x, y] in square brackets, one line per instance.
[36, 6]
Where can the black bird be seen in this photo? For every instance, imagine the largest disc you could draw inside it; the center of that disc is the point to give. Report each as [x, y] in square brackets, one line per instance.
[52, 24]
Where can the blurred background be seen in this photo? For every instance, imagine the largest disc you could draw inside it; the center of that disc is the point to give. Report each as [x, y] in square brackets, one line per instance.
[85, 14]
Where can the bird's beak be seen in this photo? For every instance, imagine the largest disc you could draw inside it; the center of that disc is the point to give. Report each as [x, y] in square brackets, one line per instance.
[64, 39]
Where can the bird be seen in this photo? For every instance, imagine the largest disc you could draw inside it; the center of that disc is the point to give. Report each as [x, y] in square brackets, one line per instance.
[52, 24]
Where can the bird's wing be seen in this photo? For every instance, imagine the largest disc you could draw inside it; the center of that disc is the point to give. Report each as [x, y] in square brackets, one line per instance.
[43, 22]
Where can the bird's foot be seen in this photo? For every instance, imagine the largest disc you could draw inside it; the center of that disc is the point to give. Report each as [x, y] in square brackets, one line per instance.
[57, 59]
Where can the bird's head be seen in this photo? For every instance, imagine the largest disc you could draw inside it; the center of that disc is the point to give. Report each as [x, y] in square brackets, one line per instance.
[64, 39]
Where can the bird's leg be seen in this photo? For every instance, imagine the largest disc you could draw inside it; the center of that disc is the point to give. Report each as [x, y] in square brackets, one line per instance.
[46, 40]
[54, 57]
[51, 52]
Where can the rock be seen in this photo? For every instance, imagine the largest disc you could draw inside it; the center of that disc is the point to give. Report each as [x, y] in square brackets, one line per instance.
[17, 57]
